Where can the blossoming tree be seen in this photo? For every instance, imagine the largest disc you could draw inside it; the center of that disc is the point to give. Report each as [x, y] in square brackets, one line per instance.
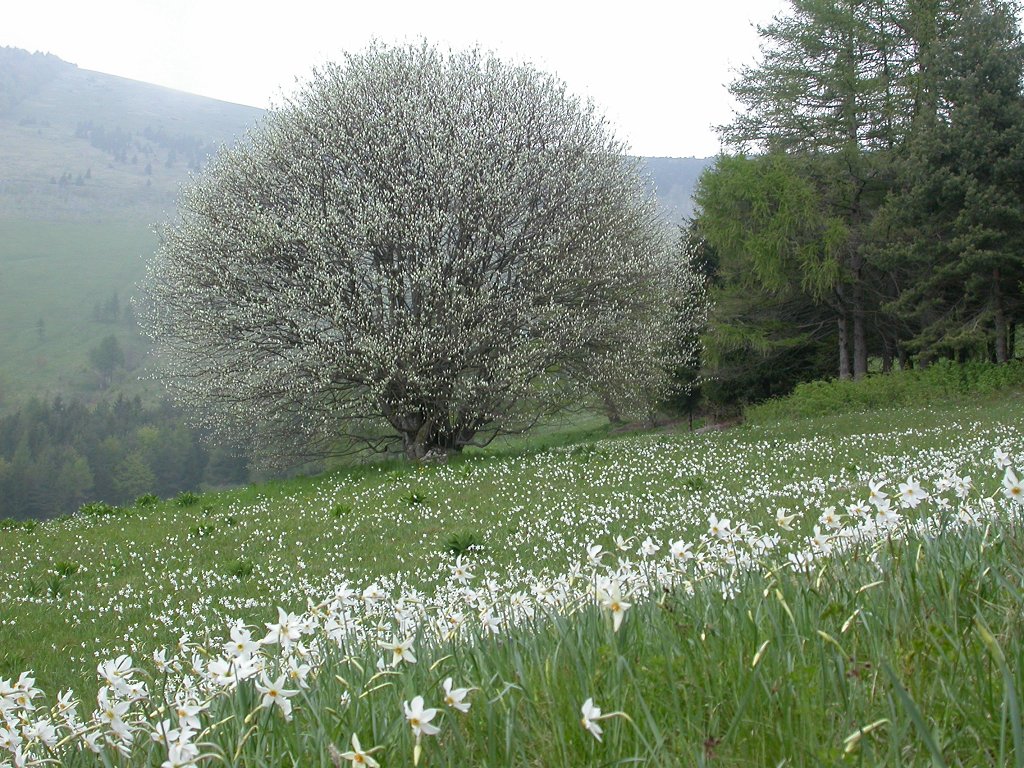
[419, 248]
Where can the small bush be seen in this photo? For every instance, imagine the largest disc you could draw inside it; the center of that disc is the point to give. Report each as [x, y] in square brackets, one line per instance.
[10, 524]
[65, 568]
[414, 498]
[919, 386]
[147, 500]
[461, 542]
[201, 531]
[695, 483]
[54, 584]
[186, 499]
[32, 586]
[341, 510]
[97, 509]
[241, 568]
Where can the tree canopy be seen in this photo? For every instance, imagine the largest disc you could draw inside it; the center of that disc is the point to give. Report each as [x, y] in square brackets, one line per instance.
[878, 181]
[419, 247]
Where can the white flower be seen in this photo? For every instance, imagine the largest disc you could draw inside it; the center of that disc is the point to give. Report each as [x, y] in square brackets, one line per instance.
[591, 714]
[1001, 458]
[275, 694]
[358, 756]
[649, 547]
[241, 642]
[611, 599]
[1012, 487]
[784, 521]
[720, 529]
[401, 650]
[461, 572]
[289, 628]
[876, 494]
[455, 697]
[830, 519]
[419, 718]
[911, 493]
[116, 672]
[681, 551]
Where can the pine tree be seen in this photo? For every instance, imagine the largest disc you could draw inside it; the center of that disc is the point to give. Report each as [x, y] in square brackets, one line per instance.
[959, 208]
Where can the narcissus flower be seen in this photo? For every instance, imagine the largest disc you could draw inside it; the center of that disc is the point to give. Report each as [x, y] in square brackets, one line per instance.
[1012, 487]
[358, 756]
[591, 714]
[401, 650]
[455, 697]
[611, 598]
[419, 718]
[275, 694]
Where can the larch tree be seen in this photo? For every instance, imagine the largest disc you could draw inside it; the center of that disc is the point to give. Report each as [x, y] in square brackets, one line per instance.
[836, 89]
[418, 249]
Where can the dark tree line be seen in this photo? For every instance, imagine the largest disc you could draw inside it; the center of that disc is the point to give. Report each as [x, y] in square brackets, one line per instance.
[57, 454]
[875, 208]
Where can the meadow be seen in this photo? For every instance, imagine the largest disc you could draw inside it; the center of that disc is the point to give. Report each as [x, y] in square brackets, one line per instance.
[840, 589]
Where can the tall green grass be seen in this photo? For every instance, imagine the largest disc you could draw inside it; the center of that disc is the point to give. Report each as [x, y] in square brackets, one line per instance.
[942, 381]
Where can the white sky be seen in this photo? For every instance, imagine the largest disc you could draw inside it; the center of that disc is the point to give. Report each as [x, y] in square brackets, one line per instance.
[658, 69]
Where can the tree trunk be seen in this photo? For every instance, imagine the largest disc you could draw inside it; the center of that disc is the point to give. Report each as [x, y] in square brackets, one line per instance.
[1002, 348]
[886, 355]
[860, 347]
[433, 441]
[904, 359]
[844, 347]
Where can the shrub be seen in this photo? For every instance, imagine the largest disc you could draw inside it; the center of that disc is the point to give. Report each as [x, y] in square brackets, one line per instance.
[241, 568]
[201, 531]
[10, 524]
[97, 509]
[147, 500]
[186, 499]
[461, 542]
[918, 386]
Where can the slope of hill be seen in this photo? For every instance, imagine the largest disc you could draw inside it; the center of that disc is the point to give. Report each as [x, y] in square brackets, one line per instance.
[82, 145]
[674, 180]
[88, 164]
[700, 629]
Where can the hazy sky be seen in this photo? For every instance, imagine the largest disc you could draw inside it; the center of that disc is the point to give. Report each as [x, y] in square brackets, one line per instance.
[658, 69]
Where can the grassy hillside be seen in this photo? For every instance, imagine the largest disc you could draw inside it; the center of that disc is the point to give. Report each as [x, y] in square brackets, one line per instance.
[53, 279]
[746, 638]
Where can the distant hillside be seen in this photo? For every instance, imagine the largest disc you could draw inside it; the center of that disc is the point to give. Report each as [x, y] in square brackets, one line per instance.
[89, 162]
[76, 144]
[674, 181]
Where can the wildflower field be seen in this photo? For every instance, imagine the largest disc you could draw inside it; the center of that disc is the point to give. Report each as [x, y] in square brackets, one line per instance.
[834, 590]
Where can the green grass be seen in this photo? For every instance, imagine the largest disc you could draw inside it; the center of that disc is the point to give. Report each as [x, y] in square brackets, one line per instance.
[896, 653]
[941, 382]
